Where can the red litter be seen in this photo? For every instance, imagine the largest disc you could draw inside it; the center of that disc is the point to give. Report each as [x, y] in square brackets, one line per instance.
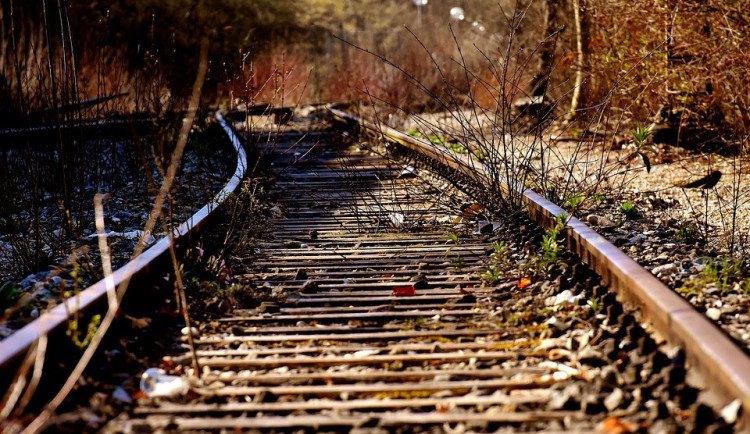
[404, 290]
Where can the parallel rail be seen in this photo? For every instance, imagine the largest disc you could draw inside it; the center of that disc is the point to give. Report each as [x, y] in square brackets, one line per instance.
[14, 347]
[719, 362]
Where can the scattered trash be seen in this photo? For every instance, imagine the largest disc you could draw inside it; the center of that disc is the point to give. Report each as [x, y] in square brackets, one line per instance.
[365, 353]
[119, 394]
[397, 219]
[408, 172]
[404, 290]
[155, 383]
[485, 227]
[129, 235]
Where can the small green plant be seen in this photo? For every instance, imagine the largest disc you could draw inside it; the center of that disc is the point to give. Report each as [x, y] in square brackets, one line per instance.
[458, 262]
[629, 210]
[550, 246]
[551, 241]
[75, 333]
[453, 238]
[641, 135]
[574, 202]
[724, 271]
[492, 274]
[500, 252]
[689, 234]
[594, 303]
[479, 155]
[9, 294]
[434, 139]
[514, 319]
[641, 138]
[691, 287]
[455, 147]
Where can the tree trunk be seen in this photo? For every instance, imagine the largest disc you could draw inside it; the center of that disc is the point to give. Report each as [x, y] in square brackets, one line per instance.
[580, 94]
[546, 48]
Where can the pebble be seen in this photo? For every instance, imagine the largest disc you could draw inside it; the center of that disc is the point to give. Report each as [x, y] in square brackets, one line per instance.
[665, 269]
[615, 399]
[601, 221]
[193, 331]
[713, 313]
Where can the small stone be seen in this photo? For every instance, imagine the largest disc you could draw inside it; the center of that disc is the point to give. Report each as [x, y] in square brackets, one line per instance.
[666, 269]
[563, 297]
[731, 411]
[566, 399]
[309, 287]
[713, 313]
[614, 399]
[192, 330]
[300, 275]
[600, 221]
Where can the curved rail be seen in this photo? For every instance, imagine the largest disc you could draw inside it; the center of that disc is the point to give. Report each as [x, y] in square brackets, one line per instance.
[716, 359]
[16, 345]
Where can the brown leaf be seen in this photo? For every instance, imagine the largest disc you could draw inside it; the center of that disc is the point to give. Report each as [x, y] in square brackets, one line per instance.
[139, 323]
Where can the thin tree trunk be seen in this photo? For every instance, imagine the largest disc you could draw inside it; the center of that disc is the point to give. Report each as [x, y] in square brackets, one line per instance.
[580, 96]
[546, 48]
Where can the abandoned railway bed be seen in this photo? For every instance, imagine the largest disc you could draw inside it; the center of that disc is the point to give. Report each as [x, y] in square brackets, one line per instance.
[387, 310]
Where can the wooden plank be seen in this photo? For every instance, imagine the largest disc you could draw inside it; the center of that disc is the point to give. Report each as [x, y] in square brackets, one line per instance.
[368, 360]
[399, 348]
[370, 316]
[337, 389]
[345, 333]
[340, 376]
[327, 404]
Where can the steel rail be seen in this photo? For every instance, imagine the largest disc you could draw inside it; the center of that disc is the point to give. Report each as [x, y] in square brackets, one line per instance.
[15, 346]
[719, 362]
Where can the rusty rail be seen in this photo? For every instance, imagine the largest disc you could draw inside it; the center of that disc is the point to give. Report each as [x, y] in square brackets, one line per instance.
[720, 363]
[13, 348]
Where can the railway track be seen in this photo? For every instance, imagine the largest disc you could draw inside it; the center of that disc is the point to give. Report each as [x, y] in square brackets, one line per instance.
[380, 321]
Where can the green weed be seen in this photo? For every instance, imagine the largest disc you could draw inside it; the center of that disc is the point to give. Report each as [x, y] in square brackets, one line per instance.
[492, 274]
[629, 210]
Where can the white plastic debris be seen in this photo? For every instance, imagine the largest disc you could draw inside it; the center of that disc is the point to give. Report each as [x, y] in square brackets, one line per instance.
[563, 297]
[397, 219]
[129, 235]
[408, 172]
[120, 394]
[155, 383]
[365, 353]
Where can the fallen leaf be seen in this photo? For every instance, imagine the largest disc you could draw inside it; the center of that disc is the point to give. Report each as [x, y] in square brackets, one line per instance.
[139, 323]
[524, 282]
[613, 425]
[471, 212]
